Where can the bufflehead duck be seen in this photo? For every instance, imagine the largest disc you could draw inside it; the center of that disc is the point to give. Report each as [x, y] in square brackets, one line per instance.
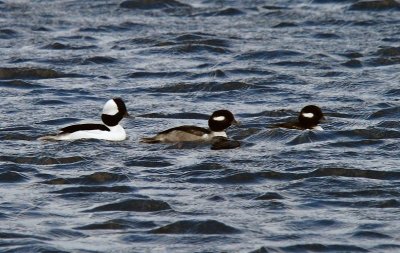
[113, 112]
[309, 118]
[218, 122]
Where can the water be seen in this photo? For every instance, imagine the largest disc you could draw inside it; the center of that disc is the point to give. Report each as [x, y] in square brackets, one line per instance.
[281, 191]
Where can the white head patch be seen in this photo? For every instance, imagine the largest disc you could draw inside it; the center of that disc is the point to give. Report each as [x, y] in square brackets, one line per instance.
[308, 115]
[219, 118]
[110, 108]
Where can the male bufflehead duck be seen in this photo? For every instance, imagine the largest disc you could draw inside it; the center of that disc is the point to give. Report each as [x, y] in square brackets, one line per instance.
[113, 112]
[309, 118]
[218, 122]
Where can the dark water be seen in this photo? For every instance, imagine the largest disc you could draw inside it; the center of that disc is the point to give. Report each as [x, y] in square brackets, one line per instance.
[174, 63]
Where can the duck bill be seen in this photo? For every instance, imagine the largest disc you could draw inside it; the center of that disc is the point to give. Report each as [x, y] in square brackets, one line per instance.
[235, 122]
[127, 115]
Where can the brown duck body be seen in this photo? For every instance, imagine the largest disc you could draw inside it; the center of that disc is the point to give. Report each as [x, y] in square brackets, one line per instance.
[185, 133]
[218, 122]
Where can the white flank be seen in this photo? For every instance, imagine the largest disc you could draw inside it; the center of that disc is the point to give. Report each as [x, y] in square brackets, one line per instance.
[219, 118]
[116, 133]
[308, 115]
[110, 108]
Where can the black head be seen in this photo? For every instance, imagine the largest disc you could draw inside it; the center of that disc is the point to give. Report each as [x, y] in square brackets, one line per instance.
[221, 120]
[310, 116]
[113, 112]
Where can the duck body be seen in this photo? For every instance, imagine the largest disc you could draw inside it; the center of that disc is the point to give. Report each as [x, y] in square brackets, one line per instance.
[184, 133]
[89, 131]
[309, 118]
[218, 122]
[113, 112]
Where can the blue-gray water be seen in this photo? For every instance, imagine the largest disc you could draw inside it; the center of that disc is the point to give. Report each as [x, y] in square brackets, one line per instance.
[174, 63]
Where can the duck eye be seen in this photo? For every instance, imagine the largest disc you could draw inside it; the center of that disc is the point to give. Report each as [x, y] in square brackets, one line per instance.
[308, 115]
[219, 118]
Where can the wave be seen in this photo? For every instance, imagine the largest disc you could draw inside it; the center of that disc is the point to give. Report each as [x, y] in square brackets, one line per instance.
[253, 177]
[195, 227]
[207, 86]
[41, 160]
[119, 224]
[94, 178]
[134, 205]
[32, 73]
[154, 4]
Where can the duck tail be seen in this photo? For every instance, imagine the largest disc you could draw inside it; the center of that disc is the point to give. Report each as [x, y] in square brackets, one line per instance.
[48, 138]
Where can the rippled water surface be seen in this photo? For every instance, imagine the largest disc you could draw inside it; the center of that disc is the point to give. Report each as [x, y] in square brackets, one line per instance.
[175, 63]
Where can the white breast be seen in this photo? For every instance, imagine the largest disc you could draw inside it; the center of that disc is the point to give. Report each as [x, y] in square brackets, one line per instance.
[215, 134]
[318, 128]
